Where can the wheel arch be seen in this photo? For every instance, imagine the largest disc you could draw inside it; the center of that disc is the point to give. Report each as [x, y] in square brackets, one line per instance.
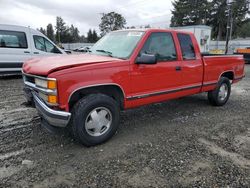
[228, 74]
[113, 90]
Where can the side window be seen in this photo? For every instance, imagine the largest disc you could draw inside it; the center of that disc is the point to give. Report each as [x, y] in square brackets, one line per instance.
[187, 46]
[13, 39]
[43, 44]
[39, 43]
[162, 45]
[51, 48]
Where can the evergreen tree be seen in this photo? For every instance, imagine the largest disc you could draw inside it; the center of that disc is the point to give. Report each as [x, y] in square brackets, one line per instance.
[189, 12]
[147, 26]
[110, 22]
[94, 36]
[240, 10]
[66, 36]
[83, 39]
[210, 12]
[90, 36]
[219, 16]
[180, 12]
[244, 30]
[200, 13]
[50, 32]
[43, 31]
[61, 29]
[74, 34]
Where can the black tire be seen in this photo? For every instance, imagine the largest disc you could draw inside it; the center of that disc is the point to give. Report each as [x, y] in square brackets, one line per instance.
[82, 110]
[214, 97]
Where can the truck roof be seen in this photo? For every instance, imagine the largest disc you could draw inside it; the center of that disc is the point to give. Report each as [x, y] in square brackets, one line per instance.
[154, 30]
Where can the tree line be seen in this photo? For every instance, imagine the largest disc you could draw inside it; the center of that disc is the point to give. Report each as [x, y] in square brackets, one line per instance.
[63, 33]
[185, 12]
[213, 13]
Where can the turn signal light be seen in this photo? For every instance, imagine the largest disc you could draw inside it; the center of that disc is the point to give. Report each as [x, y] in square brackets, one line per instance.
[52, 99]
[51, 84]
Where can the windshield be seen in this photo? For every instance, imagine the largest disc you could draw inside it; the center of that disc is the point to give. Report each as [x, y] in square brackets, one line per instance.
[117, 44]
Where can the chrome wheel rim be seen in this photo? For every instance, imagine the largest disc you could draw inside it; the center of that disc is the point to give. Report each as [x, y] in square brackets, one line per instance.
[98, 121]
[223, 92]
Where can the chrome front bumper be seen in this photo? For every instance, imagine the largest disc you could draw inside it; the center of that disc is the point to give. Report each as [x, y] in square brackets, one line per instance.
[52, 117]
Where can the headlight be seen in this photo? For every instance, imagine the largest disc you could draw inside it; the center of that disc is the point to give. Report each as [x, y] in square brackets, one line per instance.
[43, 96]
[51, 99]
[47, 84]
[41, 83]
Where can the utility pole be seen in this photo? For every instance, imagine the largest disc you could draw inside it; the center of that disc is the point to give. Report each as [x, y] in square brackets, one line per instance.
[229, 24]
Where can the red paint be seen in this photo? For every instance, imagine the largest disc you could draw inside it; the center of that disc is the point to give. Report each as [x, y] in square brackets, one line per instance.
[77, 71]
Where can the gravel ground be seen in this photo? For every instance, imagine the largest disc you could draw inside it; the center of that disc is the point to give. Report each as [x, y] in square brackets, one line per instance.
[179, 143]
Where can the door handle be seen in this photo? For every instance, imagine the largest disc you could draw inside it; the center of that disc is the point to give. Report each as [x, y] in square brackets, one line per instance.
[36, 52]
[178, 68]
[26, 52]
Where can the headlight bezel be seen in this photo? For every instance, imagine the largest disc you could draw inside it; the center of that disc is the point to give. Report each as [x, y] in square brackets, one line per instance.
[47, 90]
[45, 87]
[49, 83]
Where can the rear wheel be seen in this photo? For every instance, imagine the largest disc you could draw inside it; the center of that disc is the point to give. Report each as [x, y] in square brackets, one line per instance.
[221, 94]
[95, 119]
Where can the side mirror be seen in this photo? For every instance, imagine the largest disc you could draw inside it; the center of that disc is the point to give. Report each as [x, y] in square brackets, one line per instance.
[146, 59]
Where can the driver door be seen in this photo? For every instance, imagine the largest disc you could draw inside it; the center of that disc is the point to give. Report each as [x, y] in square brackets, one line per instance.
[156, 81]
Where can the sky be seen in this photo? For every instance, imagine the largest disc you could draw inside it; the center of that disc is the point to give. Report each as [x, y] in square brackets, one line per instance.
[84, 14]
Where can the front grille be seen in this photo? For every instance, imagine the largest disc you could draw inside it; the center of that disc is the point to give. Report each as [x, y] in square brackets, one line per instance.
[29, 79]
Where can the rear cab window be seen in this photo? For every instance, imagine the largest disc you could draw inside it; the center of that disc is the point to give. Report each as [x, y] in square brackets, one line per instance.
[162, 45]
[43, 44]
[187, 46]
[13, 39]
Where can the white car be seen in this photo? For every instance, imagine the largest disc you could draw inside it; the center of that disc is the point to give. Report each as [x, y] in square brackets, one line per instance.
[84, 49]
[18, 43]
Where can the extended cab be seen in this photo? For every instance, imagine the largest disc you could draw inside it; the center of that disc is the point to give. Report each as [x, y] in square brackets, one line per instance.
[125, 69]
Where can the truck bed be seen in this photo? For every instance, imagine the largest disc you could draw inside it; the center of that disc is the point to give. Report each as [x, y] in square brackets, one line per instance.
[216, 65]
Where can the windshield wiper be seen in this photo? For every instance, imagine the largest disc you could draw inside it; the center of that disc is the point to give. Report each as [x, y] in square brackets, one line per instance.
[106, 52]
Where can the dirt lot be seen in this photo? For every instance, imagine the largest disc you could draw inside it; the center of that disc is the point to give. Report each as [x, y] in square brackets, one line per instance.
[185, 142]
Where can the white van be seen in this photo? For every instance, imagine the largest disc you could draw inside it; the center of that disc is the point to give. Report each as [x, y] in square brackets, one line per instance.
[18, 44]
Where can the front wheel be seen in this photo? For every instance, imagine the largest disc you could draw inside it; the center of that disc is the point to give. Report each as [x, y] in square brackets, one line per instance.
[221, 94]
[95, 119]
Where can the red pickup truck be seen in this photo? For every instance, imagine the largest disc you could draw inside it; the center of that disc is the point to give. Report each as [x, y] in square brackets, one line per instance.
[125, 69]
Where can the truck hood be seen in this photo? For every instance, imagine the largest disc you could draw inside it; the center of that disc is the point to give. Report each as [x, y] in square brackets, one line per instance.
[46, 65]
